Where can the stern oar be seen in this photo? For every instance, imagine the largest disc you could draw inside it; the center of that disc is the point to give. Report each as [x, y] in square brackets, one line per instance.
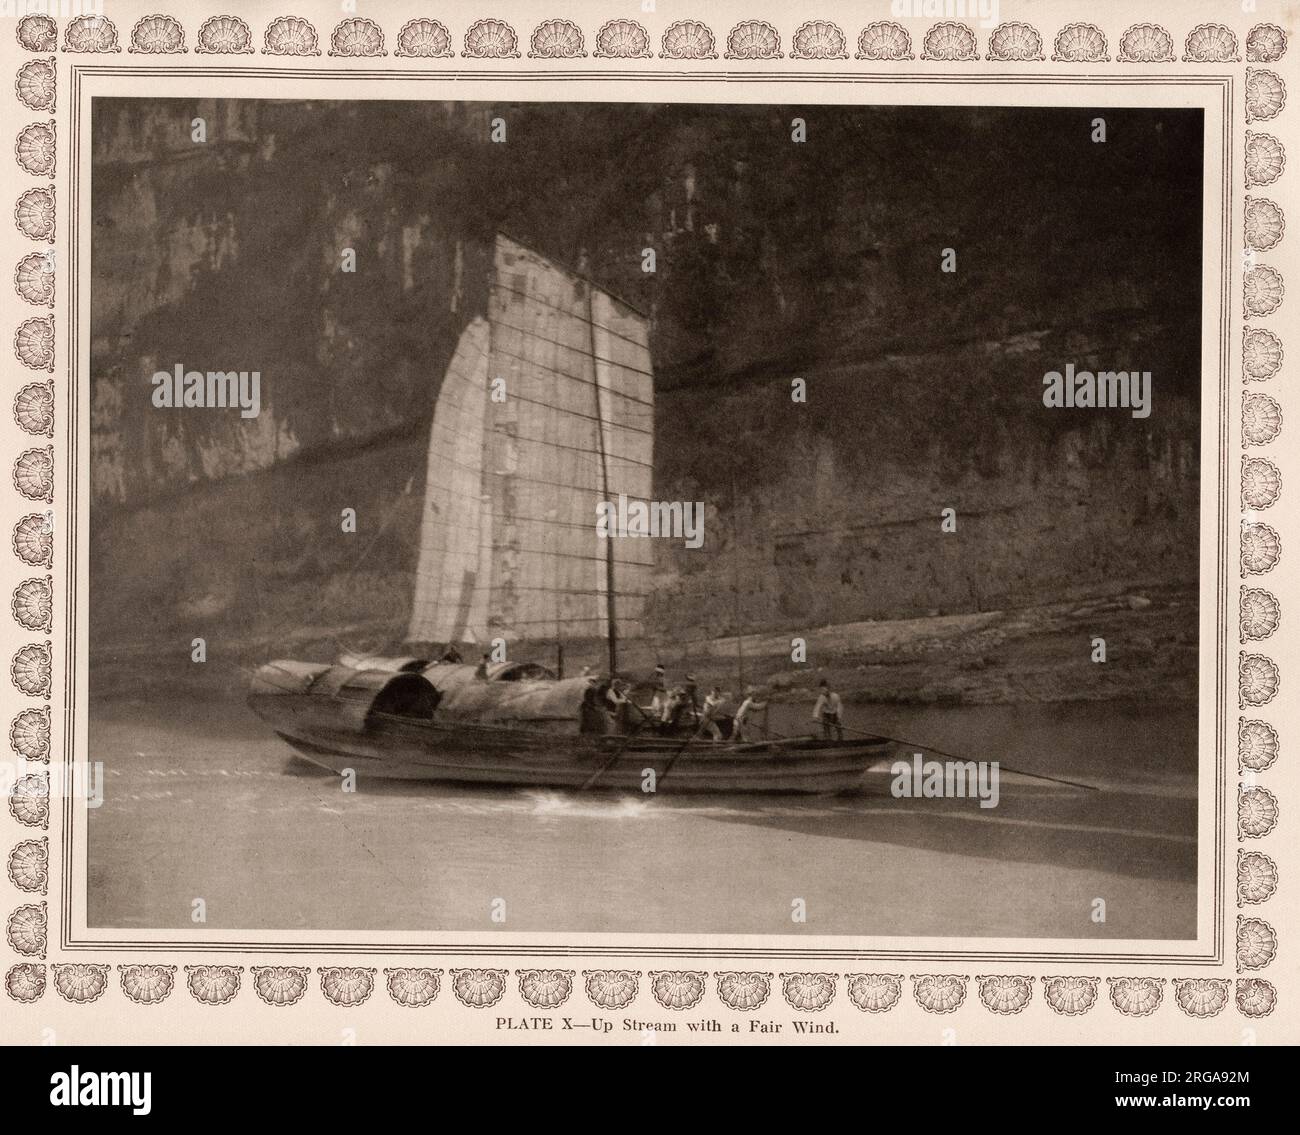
[609, 764]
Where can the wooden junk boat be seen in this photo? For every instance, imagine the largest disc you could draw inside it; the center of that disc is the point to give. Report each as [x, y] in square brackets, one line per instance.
[510, 554]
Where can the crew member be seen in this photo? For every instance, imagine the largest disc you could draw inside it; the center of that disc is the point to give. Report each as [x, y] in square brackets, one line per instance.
[620, 705]
[827, 711]
[658, 693]
[691, 692]
[708, 712]
[753, 705]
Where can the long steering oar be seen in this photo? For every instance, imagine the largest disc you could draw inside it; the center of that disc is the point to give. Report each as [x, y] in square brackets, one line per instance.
[955, 757]
[609, 764]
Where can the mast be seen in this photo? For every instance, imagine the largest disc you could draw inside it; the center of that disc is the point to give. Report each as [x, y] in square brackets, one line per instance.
[735, 588]
[610, 620]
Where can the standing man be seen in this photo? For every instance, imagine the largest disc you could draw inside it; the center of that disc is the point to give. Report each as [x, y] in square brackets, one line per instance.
[827, 712]
[710, 710]
[754, 704]
[620, 705]
[692, 696]
[658, 692]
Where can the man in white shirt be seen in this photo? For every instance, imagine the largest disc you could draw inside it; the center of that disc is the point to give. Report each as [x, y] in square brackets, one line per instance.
[754, 704]
[827, 712]
[711, 709]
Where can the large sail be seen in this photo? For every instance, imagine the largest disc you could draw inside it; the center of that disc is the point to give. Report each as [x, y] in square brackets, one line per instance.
[554, 416]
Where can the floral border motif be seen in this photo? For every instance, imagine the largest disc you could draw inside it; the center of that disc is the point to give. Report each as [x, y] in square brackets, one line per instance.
[1265, 94]
[29, 865]
[147, 984]
[213, 984]
[819, 39]
[1006, 993]
[478, 988]
[1266, 43]
[884, 40]
[157, 35]
[1202, 997]
[753, 39]
[688, 39]
[1070, 996]
[491, 39]
[1211, 43]
[1265, 159]
[35, 84]
[622, 39]
[1256, 943]
[743, 991]
[413, 987]
[1015, 42]
[939, 992]
[1257, 877]
[25, 982]
[80, 982]
[1080, 43]
[950, 41]
[424, 39]
[1259, 677]
[357, 38]
[1136, 996]
[38, 33]
[34, 279]
[546, 988]
[558, 39]
[347, 986]
[224, 35]
[290, 35]
[91, 34]
[1259, 614]
[874, 992]
[678, 989]
[1146, 43]
[35, 148]
[808, 992]
[280, 986]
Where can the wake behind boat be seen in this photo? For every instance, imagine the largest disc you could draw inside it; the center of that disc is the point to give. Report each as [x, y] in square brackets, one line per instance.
[546, 411]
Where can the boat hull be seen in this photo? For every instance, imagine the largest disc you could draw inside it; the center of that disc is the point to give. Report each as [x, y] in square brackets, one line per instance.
[459, 753]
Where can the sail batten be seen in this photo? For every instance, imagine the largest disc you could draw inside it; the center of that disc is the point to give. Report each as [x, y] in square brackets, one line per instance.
[509, 546]
[585, 354]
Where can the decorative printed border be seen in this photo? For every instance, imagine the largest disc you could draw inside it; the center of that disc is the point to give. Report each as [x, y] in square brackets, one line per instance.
[1012, 41]
[346, 987]
[686, 40]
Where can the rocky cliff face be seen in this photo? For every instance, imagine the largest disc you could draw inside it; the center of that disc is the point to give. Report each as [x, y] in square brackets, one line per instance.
[774, 261]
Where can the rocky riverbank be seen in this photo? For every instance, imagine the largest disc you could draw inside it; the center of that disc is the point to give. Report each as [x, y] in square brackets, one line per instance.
[1042, 653]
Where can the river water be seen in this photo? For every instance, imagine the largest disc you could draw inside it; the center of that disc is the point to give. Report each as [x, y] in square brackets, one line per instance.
[201, 801]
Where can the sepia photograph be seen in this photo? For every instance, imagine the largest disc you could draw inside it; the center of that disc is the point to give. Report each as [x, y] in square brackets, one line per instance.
[646, 518]
[624, 526]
